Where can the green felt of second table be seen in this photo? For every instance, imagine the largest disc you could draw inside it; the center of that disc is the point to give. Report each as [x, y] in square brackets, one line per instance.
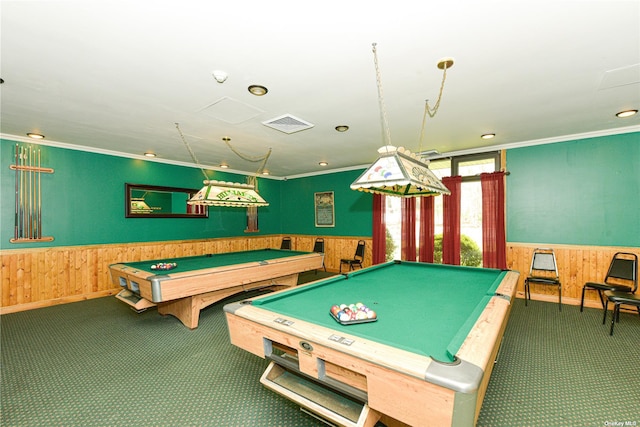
[427, 309]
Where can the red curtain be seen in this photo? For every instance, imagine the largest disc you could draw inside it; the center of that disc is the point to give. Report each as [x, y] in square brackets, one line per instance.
[408, 229]
[494, 245]
[451, 221]
[427, 229]
[379, 230]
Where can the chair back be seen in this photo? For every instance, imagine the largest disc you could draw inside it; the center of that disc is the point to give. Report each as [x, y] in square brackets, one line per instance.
[318, 246]
[623, 270]
[543, 263]
[359, 250]
[286, 243]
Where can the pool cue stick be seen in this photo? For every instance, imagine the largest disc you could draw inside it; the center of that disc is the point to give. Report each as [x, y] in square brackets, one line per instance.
[31, 181]
[16, 222]
[21, 219]
[39, 195]
[29, 194]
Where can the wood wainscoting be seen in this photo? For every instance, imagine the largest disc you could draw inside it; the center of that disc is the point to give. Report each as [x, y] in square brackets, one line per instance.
[576, 266]
[41, 277]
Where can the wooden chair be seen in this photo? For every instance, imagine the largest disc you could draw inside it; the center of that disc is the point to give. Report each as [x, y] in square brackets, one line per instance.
[618, 299]
[544, 271]
[318, 247]
[622, 276]
[286, 243]
[357, 259]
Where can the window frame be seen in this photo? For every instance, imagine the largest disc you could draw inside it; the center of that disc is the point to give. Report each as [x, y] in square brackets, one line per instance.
[457, 160]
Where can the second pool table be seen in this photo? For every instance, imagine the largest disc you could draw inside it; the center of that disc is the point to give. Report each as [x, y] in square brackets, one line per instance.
[199, 281]
[426, 360]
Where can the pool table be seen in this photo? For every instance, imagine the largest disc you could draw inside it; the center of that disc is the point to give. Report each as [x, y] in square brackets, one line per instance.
[198, 281]
[424, 360]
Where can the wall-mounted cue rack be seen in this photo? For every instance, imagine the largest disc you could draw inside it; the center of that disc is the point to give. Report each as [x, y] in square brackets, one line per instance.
[28, 218]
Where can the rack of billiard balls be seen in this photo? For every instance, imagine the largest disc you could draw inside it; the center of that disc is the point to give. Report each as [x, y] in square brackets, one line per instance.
[353, 313]
[164, 266]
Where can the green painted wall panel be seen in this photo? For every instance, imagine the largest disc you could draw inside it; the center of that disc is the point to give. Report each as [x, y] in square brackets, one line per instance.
[584, 192]
[83, 200]
[352, 208]
[577, 192]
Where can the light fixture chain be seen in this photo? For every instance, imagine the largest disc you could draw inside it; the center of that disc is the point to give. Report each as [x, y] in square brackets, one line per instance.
[193, 156]
[432, 111]
[247, 158]
[386, 132]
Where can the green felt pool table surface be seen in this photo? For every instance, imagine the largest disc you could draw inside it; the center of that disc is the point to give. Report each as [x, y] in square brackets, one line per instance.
[427, 309]
[193, 263]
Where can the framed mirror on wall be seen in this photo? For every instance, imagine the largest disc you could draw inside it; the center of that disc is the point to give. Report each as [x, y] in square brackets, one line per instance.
[153, 201]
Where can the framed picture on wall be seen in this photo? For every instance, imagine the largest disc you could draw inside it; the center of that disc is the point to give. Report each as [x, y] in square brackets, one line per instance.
[324, 207]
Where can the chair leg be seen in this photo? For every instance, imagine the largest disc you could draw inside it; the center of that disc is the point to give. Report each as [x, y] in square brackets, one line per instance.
[601, 298]
[584, 288]
[615, 316]
[560, 297]
[604, 317]
[527, 295]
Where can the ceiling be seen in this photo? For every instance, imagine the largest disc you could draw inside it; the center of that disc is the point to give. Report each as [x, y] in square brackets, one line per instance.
[116, 76]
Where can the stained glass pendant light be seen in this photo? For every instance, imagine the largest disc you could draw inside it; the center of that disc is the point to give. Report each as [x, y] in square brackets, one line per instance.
[227, 194]
[232, 194]
[397, 171]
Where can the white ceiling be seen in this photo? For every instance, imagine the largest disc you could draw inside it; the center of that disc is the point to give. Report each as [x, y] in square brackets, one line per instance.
[116, 76]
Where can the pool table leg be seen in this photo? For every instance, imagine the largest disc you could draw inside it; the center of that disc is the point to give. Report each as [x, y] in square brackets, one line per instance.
[187, 309]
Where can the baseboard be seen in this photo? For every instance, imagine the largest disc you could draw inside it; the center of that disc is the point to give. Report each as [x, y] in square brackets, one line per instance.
[57, 301]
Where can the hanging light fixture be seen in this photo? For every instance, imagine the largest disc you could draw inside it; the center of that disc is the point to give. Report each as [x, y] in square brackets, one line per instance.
[228, 194]
[234, 194]
[397, 171]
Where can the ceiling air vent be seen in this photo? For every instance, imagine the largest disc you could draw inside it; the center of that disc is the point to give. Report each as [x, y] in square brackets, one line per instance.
[288, 124]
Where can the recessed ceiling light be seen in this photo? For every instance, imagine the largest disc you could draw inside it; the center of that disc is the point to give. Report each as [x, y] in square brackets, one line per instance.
[488, 136]
[149, 154]
[265, 172]
[342, 128]
[627, 113]
[258, 90]
[224, 166]
[35, 135]
[323, 164]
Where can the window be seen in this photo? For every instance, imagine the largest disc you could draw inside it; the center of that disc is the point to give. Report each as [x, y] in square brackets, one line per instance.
[469, 167]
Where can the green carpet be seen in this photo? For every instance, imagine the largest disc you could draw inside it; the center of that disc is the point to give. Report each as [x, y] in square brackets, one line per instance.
[98, 363]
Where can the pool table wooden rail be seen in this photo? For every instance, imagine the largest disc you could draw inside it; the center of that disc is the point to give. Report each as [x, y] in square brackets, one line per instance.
[401, 387]
[185, 294]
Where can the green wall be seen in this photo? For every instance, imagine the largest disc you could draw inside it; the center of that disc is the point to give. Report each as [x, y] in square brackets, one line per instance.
[583, 192]
[83, 202]
[352, 208]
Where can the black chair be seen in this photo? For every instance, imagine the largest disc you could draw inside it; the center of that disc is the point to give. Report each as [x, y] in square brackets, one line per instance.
[286, 243]
[618, 299]
[544, 271]
[621, 277]
[357, 259]
[318, 247]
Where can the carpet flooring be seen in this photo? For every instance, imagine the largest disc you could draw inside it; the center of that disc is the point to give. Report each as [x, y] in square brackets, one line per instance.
[98, 363]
